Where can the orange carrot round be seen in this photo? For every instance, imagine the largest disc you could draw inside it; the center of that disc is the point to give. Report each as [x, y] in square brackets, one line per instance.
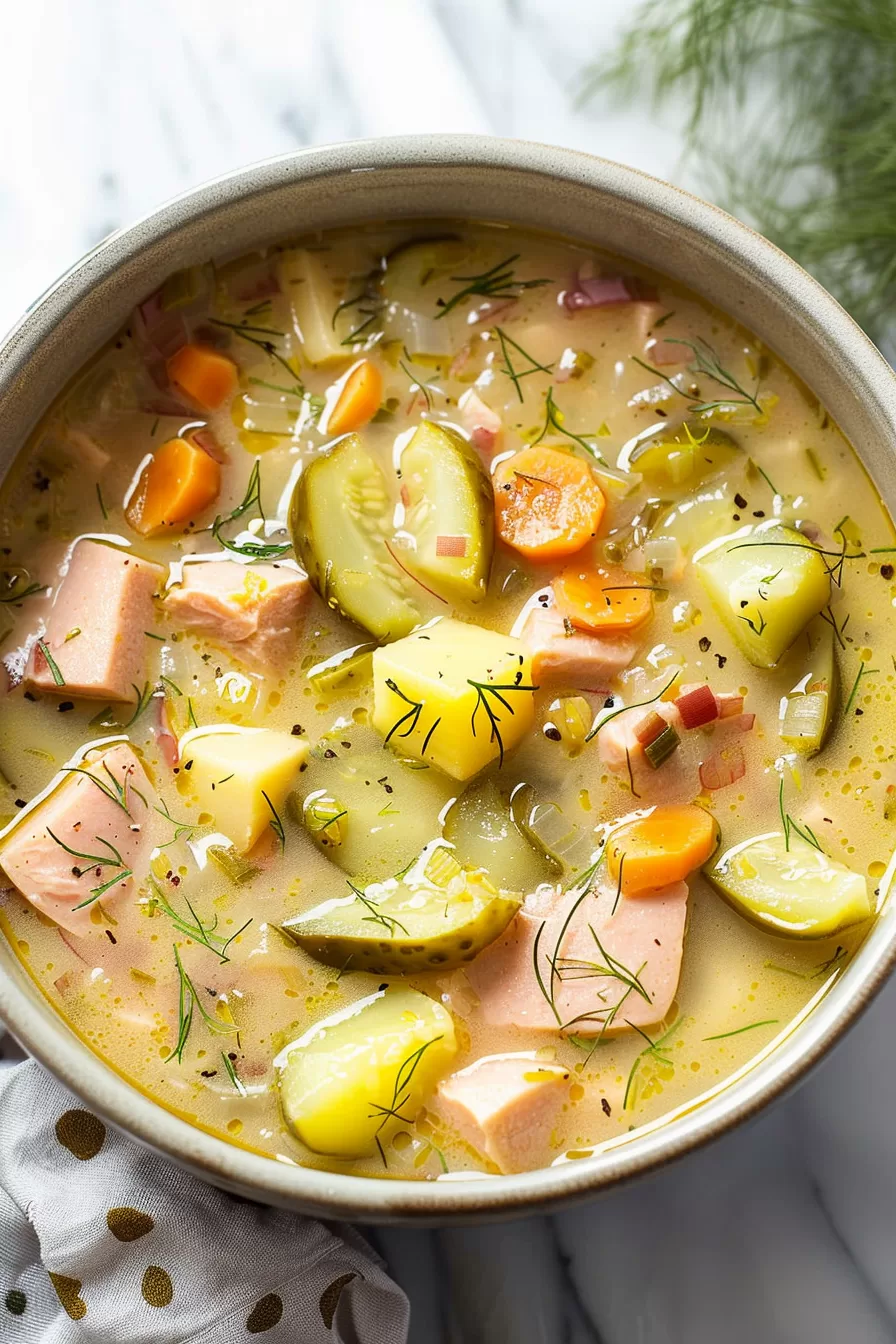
[208, 377]
[547, 503]
[179, 482]
[661, 848]
[602, 601]
[359, 399]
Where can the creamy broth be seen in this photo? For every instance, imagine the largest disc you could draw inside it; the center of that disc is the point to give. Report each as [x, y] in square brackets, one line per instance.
[573, 351]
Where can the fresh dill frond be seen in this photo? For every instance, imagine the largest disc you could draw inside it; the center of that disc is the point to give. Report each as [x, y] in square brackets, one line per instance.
[498, 282]
[792, 125]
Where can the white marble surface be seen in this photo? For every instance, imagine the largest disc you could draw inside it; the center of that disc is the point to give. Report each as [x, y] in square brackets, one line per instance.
[784, 1233]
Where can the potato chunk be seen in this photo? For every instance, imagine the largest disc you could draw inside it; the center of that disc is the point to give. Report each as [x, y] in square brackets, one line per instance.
[453, 695]
[241, 776]
[340, 1081]
[766, 585]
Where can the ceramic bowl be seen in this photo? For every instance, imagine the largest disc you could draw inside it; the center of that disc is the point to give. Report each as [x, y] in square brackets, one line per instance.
[543, 188]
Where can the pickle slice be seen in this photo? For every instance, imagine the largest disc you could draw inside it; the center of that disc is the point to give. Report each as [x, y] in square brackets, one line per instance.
[436, 916]
[340, 519]
[808, 711]
[787, 886]
[484, 834]
[355, 1078]
[566, 845]
[450, 512]
[683, 456]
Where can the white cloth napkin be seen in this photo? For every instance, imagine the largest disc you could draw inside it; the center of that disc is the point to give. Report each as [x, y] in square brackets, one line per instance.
[103, 1242]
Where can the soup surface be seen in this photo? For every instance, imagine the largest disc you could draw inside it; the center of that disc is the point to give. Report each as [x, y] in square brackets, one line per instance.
[448, 682]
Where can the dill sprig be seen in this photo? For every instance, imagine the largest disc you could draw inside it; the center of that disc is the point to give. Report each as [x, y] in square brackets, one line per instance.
[260, 337]
[254, 550]
[275, 822]
[706, 363]
[116, 790]
[655, 1049]
[498, 282]
[864, 671]
[400, 1094]
[144, 696]
[555, 419]
[232, 1074]
[188, 1000]
[606, 715]
[808, 160]
[98, 861]
[751, 1026]
[181, 828]
[513, 373]
[194, 927]
[499, 692]
[790, 826]
[375, 915]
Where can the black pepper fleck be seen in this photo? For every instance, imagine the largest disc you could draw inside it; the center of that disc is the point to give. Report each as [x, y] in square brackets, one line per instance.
[705, 644]
[740, 501]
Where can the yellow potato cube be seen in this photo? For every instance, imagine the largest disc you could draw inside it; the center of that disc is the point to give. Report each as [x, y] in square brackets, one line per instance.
[242, 776]
[355, 1078]
[453, 695]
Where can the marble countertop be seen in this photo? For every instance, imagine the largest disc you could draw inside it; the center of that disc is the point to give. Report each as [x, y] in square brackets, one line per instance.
[784, 1232]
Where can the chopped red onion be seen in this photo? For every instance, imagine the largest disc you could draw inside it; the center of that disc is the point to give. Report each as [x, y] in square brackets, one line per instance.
[724, 768]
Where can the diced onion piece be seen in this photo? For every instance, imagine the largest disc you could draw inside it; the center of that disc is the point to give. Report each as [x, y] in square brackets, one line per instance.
[651, 727]
[725, 767]
[603, 291]
[453, 546]
[232, 864]
[805, 716]
[697, 706]
[730, 704]
[662, 747]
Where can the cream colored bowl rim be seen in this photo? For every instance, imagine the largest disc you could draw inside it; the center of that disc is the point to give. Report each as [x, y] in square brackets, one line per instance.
[811, 309]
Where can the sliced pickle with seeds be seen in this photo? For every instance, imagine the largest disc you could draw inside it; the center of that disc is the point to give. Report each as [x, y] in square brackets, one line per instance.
[435, 916]
[449, 513]
[485, 836]
[340, 519]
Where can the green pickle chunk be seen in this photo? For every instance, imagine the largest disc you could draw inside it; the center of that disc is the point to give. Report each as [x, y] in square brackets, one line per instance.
[789, 887]
[436, 916]
[357, 1077]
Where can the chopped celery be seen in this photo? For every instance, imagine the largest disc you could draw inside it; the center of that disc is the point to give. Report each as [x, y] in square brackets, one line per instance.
[340, 516]
[661, 748]
[449, 512]
[363, 1073]
[808, 711]
[767, 583]
[572, 717]
[232, 864]
[435, 916]
[322, 815]
[348, 665]
[788, 886]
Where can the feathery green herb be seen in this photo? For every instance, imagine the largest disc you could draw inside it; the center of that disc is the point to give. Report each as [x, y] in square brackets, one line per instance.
[498, 282]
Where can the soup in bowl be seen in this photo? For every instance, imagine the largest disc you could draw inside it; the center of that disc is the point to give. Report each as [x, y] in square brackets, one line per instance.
[448, 668]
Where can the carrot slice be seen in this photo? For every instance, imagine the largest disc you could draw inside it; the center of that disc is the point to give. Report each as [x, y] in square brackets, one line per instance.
[179, 482]
[602, 601]
[547, 503]
[208, 377]
[661, 848]
[358, 401]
